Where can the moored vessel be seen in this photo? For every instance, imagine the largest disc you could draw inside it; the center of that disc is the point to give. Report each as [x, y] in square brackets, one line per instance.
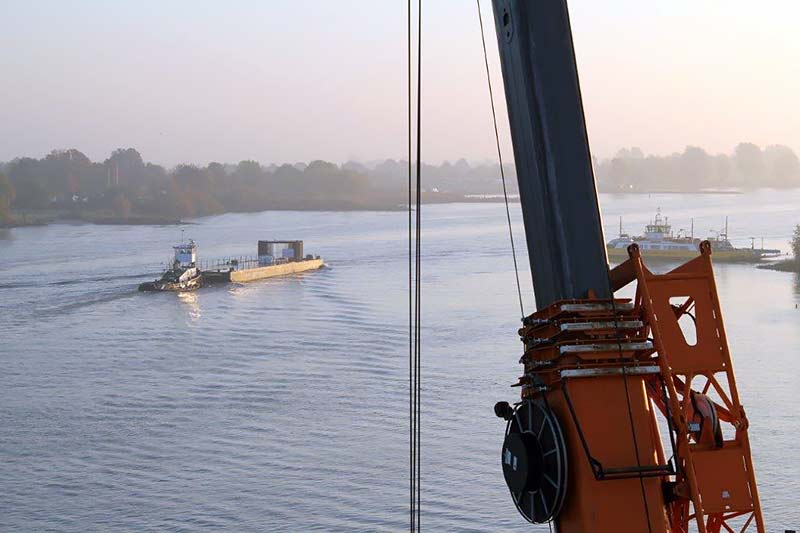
[659, 242]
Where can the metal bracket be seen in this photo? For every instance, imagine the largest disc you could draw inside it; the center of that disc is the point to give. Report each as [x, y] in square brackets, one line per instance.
[602, 473]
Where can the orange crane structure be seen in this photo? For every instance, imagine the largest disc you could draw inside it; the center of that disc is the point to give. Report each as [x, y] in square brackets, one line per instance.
[629, 418]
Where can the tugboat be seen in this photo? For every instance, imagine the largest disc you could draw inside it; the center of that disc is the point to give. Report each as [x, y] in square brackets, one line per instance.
[659, 242]
[184, 274]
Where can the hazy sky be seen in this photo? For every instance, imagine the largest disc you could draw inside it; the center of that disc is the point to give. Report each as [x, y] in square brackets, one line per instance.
[292, 80]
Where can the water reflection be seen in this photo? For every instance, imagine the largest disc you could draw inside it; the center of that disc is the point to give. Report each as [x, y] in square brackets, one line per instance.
[191, 303]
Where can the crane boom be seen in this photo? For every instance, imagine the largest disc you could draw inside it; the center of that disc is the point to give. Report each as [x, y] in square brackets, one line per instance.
[554, 167]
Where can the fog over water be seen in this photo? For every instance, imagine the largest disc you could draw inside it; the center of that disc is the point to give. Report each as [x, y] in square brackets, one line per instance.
[282, 404]
[198, 81]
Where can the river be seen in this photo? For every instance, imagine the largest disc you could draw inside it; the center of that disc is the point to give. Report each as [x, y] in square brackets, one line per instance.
[282, 404]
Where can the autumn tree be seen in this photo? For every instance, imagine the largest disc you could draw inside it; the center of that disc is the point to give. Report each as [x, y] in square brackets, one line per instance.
[121, 205]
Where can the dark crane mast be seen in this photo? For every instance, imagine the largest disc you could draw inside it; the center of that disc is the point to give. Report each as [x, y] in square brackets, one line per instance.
[551, 151]
[583, 447]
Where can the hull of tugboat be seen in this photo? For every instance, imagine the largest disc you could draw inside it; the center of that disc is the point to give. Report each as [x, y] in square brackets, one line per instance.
[156, 286]
[728, 256]
[174, 286]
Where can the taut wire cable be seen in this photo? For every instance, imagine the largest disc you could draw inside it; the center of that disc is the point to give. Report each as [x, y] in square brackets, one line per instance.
[500, 158]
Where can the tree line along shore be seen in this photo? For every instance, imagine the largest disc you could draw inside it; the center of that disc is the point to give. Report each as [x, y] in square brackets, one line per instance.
[126, 189]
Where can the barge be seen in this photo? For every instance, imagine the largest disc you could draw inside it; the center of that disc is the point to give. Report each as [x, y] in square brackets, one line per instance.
[275, 258]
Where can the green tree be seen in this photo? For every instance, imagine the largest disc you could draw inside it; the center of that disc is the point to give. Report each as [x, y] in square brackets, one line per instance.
[750, 166]
[216, 171]
[6, 198]
[722, 170]
[195, 192]
[26, 177]
[783, 166]
[248, 172]
[796, 243]
[620, 173]
[126, 168]
[695, 168]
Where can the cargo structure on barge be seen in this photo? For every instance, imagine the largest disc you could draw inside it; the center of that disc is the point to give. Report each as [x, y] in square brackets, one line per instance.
[275, 258]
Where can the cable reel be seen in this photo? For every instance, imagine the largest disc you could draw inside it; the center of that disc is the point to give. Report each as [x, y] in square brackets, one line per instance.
[704, 424]
[534, 459]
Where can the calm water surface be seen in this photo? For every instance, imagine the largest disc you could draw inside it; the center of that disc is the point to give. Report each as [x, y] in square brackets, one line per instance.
[282, 404]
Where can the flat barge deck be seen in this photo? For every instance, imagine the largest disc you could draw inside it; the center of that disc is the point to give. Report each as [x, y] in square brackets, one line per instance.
[261, 272]
[275, 258]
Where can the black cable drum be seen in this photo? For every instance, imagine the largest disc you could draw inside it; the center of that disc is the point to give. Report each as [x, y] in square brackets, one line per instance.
[534, 460]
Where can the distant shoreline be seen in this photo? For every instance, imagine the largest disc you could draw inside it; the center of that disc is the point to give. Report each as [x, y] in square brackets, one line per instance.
[702, 191]
[515, 197]
[43, 217]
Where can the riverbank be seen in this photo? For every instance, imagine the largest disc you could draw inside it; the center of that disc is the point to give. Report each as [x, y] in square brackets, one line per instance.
[787, 265]
[43, 217]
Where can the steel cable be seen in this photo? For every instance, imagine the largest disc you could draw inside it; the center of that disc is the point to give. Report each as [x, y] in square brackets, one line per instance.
[414, 276]
[500, 158]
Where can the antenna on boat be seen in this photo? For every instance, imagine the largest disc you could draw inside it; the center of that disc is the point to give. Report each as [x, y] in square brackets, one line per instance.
[692, 229]
[182, 237]
[620, 225]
